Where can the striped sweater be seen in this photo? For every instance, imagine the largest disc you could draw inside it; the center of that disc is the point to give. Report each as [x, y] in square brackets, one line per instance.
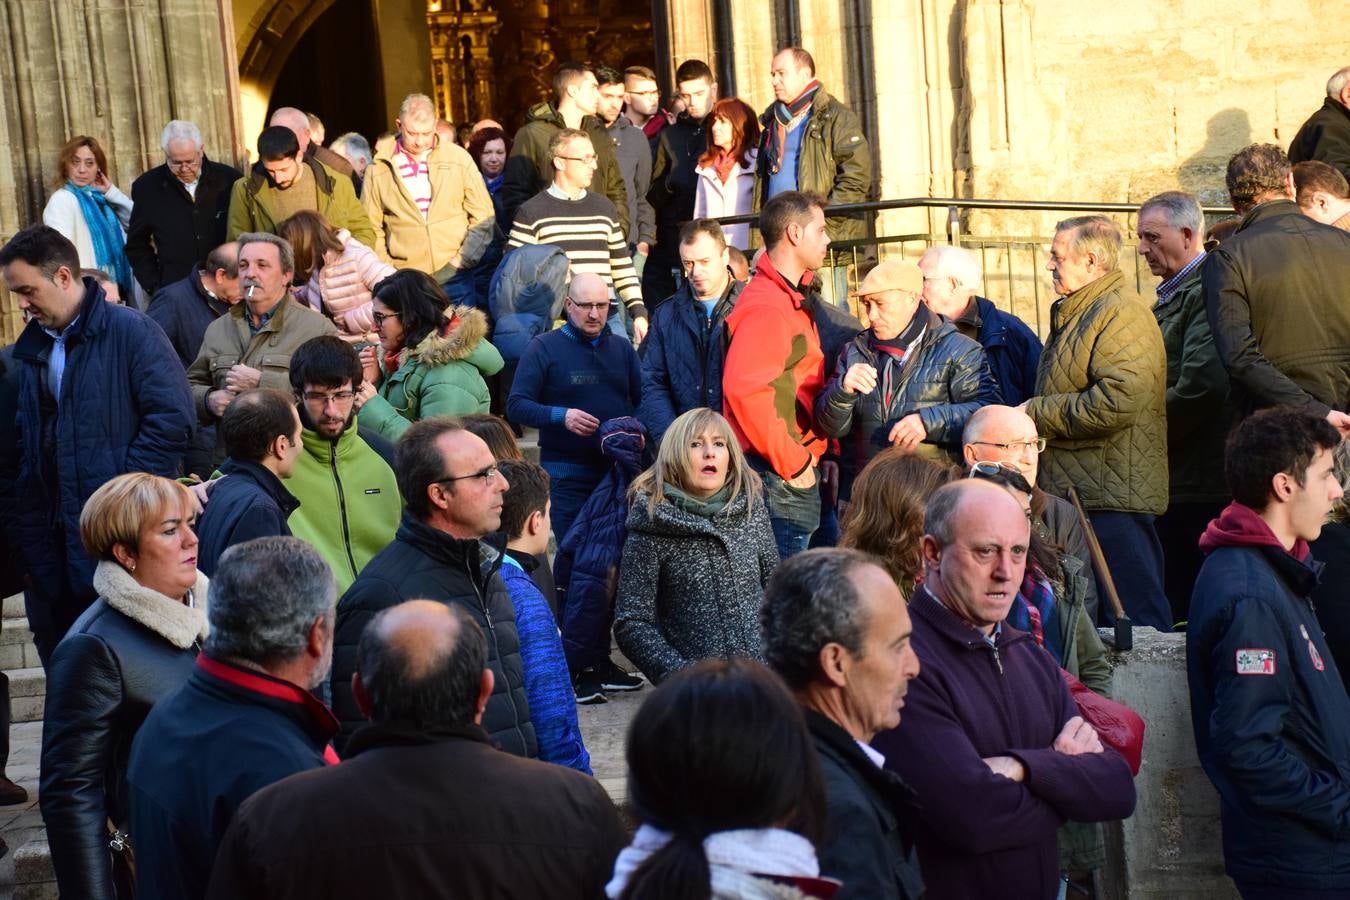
[588, 231]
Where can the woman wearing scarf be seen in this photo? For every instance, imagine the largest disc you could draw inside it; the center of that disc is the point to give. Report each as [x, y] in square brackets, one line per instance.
[89, 210]
[726, 170]
[432, 358]
[698, 553]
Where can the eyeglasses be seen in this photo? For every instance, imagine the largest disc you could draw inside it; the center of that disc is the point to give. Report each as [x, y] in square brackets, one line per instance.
[589, 158]
[488, 474]
[589, 307]
[336, 397]
[1036, 446]
[380, 317]
[183, 164]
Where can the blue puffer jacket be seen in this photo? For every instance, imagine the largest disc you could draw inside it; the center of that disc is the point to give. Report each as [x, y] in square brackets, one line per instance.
[1012, 350]
[526, 296]
[944, 380]
[125, 407]
[682, 365]
[586, 569]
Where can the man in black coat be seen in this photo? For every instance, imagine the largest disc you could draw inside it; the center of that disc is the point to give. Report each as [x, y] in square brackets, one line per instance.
[179, 209]
[1326, 134]
[447, 549]
[424, 805]
[261, 431]
[850, 676]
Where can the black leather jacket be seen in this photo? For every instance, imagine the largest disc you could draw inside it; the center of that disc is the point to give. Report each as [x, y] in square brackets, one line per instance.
[104, 676]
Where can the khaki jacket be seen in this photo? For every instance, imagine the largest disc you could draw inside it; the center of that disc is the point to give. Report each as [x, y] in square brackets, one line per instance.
[251, 203]
[227, 341]
[1101, 401]
[460, 220]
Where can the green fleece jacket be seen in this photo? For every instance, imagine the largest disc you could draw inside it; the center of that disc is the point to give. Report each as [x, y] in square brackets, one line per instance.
[349, 502]
[442, 376]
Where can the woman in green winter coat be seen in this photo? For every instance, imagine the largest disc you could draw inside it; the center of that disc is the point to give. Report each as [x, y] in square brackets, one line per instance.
[432, 360]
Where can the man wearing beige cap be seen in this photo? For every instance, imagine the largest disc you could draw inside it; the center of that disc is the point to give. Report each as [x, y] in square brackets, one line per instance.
[911, 380]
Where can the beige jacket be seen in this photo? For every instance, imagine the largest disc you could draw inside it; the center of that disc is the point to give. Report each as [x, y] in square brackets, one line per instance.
[227, 341]
[460, 220]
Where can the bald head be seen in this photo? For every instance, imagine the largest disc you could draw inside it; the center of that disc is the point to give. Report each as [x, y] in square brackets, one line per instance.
[486, 123]
[422, 662]
[1003, 434]
[974, 550]
[295, 120]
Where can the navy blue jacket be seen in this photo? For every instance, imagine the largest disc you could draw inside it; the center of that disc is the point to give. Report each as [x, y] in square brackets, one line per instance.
[251, 503]
[1277, 745]
[682, 362]
[587, 565]
[562, 370]
[122, 409]
[1012, 350]
[205, 749]
[184, 309]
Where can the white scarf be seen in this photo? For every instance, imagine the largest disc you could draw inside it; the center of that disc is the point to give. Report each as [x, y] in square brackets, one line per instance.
[734, 858]
[171, 619]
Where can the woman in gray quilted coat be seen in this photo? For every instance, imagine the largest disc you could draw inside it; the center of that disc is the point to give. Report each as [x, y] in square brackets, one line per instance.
[699, 552]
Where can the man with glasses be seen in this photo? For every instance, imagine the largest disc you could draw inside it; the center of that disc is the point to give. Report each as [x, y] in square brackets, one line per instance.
[1003, 436]
[449, 548]
[179, 209]
[349, 501]
[583, 224]
[568, 382]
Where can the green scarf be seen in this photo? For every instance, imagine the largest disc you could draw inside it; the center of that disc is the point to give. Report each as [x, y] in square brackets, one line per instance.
[699, 506]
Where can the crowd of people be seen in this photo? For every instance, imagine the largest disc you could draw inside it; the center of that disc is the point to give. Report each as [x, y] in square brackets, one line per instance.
[314, 626]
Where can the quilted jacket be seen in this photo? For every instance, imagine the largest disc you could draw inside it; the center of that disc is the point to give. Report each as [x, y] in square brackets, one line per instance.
[1101, 401]
[343, 287]
[945, 379]
[441, 376]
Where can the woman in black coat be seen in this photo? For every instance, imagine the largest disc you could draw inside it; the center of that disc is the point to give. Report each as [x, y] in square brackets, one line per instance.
[698, 553]
[134, 645]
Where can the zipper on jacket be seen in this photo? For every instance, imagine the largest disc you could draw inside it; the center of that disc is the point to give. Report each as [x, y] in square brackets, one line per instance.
[497, 652]
[997, 661]
[342, 508]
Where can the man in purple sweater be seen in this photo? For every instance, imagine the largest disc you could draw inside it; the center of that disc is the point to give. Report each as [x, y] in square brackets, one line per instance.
[991, 742]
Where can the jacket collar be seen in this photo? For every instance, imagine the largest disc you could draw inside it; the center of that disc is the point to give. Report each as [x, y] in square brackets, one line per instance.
[993, 327]
[346, 445]
[263, 478]
[1070, 305]
[830, 734]
[92, 318]
[1271, 209]
[946, 623]
[483, 556]
[262, 689]
[323, 178]
[217, 306]
[273, 324]
[765, 270]
[373, 735]
[177, 623]
[690, 308]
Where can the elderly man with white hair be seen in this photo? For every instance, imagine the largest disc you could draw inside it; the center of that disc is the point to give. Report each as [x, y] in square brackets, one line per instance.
[951, 277]
[1326, 134]
[179, 209]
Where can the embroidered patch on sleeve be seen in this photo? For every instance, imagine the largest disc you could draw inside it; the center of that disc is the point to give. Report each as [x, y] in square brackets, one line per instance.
[1255, 661]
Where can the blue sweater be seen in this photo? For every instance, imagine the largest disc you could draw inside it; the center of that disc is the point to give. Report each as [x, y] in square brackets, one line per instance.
[562, 370]
[548, 685]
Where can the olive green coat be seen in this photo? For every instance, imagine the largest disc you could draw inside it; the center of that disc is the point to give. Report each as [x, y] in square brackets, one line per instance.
[1101, 401]
[442, 376]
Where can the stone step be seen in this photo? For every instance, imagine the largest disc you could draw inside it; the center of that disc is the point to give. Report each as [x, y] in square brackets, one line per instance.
[13, 606]
[34, 877]
[27, 693]
[17, 650]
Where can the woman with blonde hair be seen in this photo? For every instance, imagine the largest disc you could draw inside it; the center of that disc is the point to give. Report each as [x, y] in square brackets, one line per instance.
[135, 644]
[335, 272]
[90, 211]
[699, 551]
[885, 512]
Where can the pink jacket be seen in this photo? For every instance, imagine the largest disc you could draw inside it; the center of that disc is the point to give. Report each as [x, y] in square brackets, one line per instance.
[344, 286]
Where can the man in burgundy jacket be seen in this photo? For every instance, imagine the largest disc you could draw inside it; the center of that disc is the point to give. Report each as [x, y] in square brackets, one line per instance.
[991, 742]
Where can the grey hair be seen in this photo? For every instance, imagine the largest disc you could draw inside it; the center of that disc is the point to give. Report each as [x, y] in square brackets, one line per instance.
[414, 102]
[352, 144]
[956, 262]
[561, 138]
[1336, 83]
[1094, 234]
[1181, 209]
[262, 237]
[809, 602]
[180, 130]
[264, 597]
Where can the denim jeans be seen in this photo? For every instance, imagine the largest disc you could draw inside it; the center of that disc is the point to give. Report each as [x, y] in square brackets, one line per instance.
[794, 513]
[570, 486]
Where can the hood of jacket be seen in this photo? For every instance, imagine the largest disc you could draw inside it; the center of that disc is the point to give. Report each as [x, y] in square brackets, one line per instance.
[461, 342]
[548, 113]
[171, 619]
[669, 520]
[1242, 526]
[624, 441]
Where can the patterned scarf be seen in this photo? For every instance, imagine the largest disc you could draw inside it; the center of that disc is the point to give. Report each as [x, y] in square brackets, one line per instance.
[105, 232]
[783, 115]
[1036, 612]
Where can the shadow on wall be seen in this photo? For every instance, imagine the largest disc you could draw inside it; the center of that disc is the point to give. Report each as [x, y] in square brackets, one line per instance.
[1203, 174]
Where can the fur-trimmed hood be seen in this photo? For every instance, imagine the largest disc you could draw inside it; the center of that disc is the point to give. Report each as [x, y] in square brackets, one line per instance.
[460, 343]
[178, 624]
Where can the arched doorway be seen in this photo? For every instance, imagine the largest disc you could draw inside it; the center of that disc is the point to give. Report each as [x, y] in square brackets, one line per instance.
[334, 72]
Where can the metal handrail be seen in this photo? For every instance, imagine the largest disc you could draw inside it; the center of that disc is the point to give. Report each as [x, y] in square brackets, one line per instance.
[973, 203]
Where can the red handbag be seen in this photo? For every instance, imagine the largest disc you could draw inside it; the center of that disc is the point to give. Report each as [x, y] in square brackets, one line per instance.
[1119, 727]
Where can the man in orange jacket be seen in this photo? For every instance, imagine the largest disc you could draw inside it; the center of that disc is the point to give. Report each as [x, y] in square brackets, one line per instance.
[775, 367]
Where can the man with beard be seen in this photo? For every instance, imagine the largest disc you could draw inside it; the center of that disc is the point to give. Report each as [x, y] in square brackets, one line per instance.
[349, 500]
